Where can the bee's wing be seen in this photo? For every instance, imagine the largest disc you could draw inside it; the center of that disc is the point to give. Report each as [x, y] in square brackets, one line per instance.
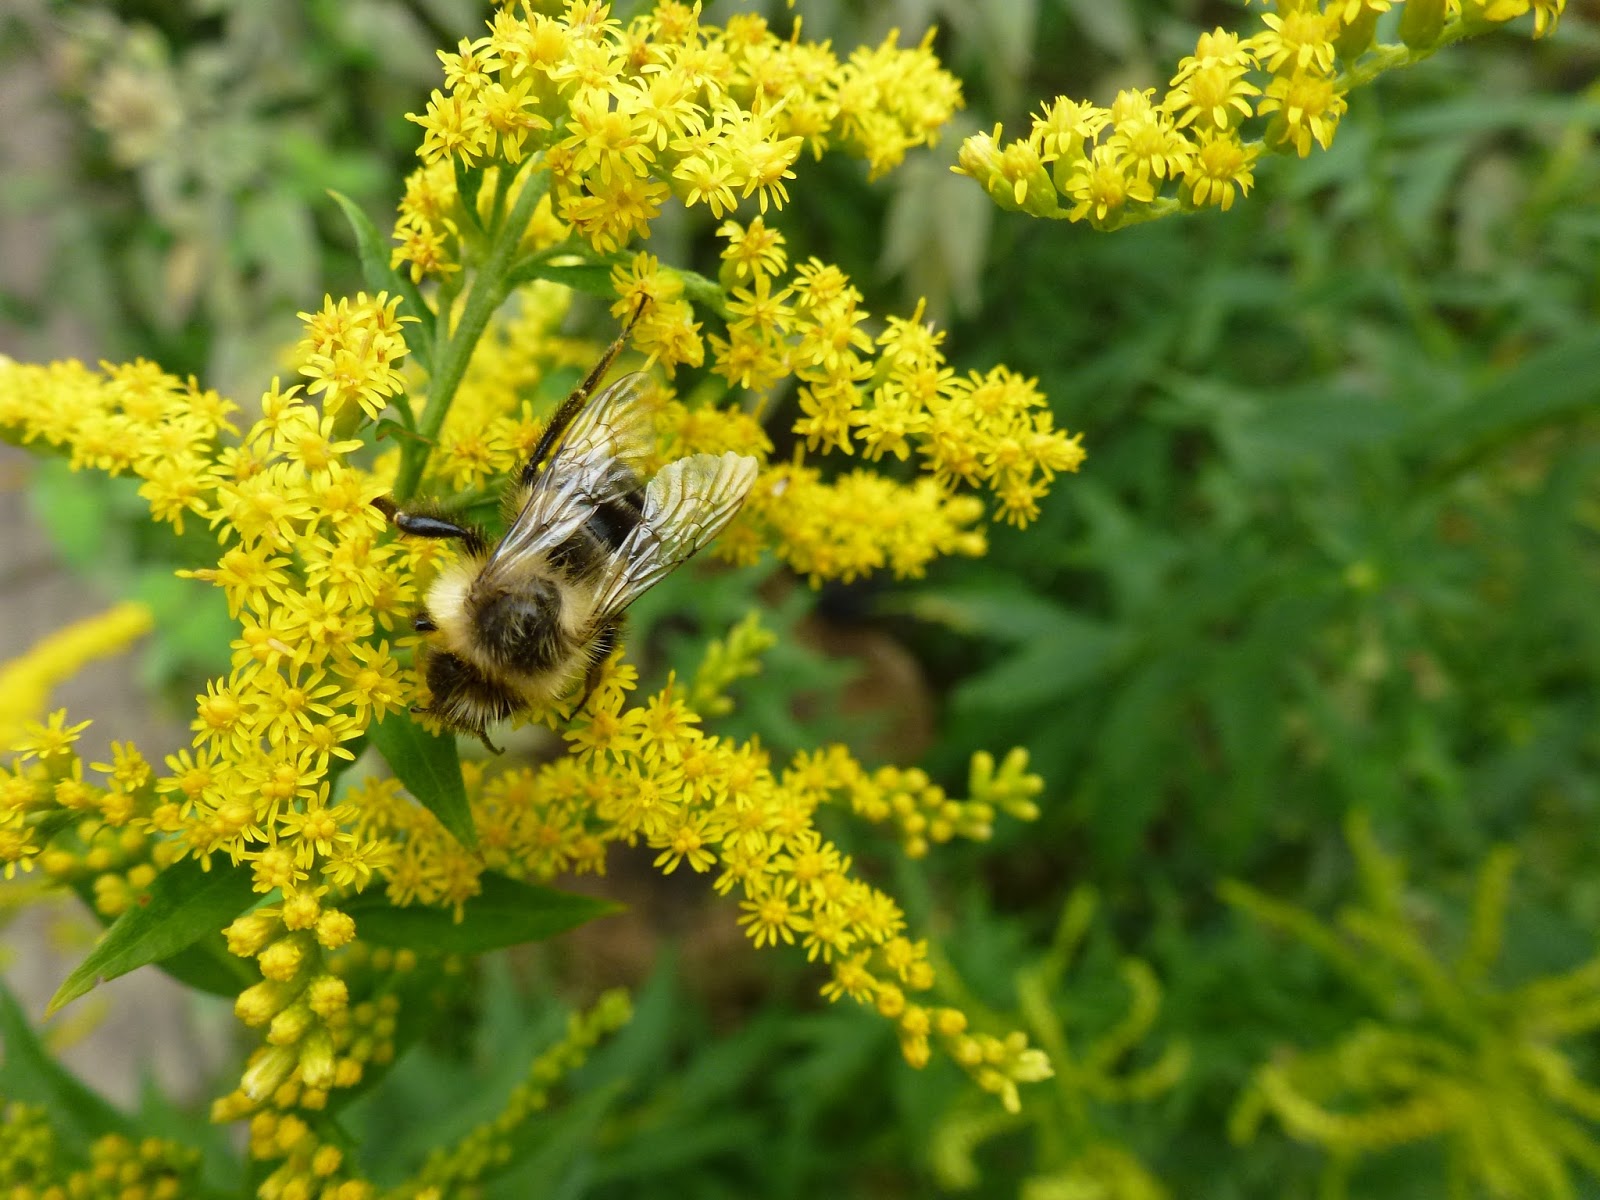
[685, 506]
[596, 460]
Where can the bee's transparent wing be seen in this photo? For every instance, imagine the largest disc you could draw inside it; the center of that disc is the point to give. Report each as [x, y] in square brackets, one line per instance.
[685, 506]
[596, 460]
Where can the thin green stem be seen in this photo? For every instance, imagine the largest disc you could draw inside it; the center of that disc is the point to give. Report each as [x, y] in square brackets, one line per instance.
[488, 290]
[1387, 56]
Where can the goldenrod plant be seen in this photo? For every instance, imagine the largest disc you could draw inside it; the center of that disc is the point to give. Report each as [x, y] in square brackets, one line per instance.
[1449, 1053]
[329, 861]
[1076, 1152]
[1280, 88]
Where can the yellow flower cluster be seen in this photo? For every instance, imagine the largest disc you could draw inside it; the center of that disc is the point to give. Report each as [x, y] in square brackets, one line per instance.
[26, 682]
[34, 1165]
[314, 582]
[559, 138]
[626, 116]
[983, 430]
[318, 1039]
[352, 352]
[77, 831]
[1145, 157]
[306, 573]
[615, 119]
[645, 773]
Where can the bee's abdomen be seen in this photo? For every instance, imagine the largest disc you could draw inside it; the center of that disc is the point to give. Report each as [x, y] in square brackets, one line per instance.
[588, 550]
[519, 631]
[615, 519]
[465, 698]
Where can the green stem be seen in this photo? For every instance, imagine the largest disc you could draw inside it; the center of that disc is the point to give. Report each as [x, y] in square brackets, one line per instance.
[488, 291]
[705, 292]
[1387, 56]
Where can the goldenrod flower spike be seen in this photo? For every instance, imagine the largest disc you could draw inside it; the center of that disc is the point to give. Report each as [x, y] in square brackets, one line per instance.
[552, 145]
[1196, 146]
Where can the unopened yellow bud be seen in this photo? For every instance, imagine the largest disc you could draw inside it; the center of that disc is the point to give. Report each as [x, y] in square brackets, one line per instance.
[891, 1000]
[283, 959]
[249, 933]
[301, 910]
[328, 994]
[267, 1070]
[260, 1002]
[290, 1025]
[335, 929]
[317, 1064]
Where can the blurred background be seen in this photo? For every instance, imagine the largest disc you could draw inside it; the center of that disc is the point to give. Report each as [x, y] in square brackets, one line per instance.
[1319, 616]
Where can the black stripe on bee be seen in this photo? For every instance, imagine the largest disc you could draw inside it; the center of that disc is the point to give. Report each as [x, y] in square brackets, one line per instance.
[464, 696]
[601, 536]
[613, 520]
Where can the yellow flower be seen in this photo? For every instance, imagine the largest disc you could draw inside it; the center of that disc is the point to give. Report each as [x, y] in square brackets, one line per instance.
[1100, 186]
[352, 351]
[1309, 106]
[1194, 144]
[1301, 39]
[1221, 165]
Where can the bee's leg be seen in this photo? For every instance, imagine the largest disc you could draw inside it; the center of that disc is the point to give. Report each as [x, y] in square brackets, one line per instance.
[573, 404]
[483, 737]
[604, 643]
[422, 622]
[430, 525]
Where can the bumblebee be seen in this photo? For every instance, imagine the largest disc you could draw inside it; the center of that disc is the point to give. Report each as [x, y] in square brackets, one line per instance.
[520, 623]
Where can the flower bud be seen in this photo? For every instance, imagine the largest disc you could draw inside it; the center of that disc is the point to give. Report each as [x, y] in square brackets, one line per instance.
[269, 1069]
[1421, 22]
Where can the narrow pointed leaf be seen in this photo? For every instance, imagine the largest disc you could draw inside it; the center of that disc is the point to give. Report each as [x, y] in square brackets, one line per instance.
[379, 276]
[205, 966]
[182, 905]
[430, 767]
[506, 913]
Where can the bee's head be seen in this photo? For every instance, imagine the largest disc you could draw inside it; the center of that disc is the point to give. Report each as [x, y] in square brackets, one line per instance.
[520, 630]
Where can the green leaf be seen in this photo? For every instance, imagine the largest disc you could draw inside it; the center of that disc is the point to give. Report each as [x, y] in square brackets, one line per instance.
[180, 907]
[506, 913]
[430, 767]
[207, 966]
[1003, 609]
[592, 276]
[381, 277]
[1552, 386]
[31, 1073]
[580, 277]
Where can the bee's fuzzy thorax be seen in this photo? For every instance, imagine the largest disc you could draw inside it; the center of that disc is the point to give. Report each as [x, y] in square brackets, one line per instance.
[447, 605]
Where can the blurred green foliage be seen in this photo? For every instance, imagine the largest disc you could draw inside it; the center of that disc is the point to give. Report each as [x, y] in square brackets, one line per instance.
[1336, 550]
